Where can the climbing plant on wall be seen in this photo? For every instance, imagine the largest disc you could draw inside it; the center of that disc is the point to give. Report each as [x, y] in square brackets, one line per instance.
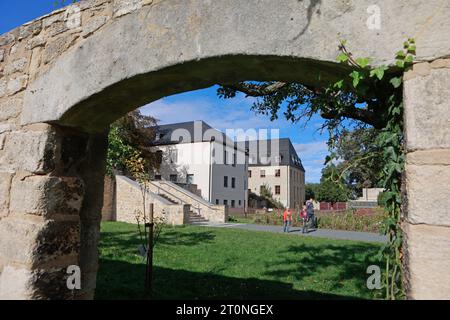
[386, 86]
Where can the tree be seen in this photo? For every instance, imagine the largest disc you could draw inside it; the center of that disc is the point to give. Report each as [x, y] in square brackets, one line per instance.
[130, 137]
[311, 190]
[361, 159]
[329, 190]
[149, 227]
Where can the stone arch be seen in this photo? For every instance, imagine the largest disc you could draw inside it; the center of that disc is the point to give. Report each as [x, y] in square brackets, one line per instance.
[66, 76]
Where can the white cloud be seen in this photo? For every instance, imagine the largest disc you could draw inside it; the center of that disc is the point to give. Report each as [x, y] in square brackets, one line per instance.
[237, 115]
[313, 157]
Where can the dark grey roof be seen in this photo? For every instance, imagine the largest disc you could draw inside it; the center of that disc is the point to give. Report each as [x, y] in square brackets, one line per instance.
[264, 153]
[188, 132]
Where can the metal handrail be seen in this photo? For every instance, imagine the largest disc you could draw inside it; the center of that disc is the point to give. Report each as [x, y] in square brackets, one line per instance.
[189, 194]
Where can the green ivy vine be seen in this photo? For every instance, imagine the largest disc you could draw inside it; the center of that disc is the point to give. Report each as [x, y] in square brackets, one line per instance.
[385, 85]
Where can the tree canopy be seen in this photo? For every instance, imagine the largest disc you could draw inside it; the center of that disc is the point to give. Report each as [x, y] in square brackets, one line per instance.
[130, 140]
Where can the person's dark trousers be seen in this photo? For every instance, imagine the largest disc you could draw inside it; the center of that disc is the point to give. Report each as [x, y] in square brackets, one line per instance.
[312, 221]
[286, 226]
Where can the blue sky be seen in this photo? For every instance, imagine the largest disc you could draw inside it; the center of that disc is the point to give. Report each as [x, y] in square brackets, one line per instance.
[201, 104]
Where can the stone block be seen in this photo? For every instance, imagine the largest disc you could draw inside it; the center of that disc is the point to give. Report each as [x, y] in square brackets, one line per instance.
[38, 41]
[2, 88]
[431, 157]
[31, 29]
[127, 6]
[18, 239]
[17, 65]
[428, 190]
[7, 39]
[5, 184]
[46, 196]
[428, 261]
[38, 243]
[15, 283]
[93, 25]
[427, 110]
[32, 151]
[10, 108]
[16, 84]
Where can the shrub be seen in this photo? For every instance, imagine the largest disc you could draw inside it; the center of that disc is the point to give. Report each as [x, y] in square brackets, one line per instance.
[347, 220]
[382, 196]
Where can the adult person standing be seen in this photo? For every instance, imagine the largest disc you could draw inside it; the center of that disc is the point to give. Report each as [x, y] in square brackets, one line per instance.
[310, 211]
[287, 219]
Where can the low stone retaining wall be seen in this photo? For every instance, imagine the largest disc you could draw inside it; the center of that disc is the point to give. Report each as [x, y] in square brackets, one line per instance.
[129, 202]
[213, 213]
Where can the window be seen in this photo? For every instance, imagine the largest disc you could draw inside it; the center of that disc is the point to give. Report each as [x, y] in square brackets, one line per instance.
[240, 203]
[225, 202]
[190, 179]
[277, 190]
[225, 156]
[261, 190]
[233, 203]
[225, 182]
[277, 173]
[249, 173]
[217, 201]
[173, 155]
[173, 178]
[233, 183]
[234, 159]
[158, 177]
[263, 173]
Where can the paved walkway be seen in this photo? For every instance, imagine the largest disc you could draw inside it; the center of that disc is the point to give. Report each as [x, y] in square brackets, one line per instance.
[320, 233]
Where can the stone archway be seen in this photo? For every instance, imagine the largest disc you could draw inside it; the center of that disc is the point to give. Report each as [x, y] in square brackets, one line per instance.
[66, 76]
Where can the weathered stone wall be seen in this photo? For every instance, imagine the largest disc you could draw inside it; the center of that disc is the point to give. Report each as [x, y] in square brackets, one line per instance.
[88, 64]
[50, 210]
[129, 201]
[427, 227]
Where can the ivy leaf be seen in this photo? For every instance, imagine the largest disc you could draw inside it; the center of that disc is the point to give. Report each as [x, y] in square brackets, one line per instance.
[378, 72]
[409, 59]
[363, 62]
[400, 63]
[342, 58]
[396, 82]
[400, 54]
[357, 77]
[339, 84]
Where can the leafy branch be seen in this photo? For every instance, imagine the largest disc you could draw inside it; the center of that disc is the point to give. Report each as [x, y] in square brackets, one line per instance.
[386, 89]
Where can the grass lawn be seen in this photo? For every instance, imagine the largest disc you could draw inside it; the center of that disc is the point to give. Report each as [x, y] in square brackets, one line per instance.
[210, 263]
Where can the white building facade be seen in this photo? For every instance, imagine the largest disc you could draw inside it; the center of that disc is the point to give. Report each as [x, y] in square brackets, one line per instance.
[193, 153]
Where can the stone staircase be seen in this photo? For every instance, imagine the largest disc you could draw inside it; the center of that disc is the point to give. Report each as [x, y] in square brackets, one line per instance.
[203, 210]
[195, 219]
[168, 198]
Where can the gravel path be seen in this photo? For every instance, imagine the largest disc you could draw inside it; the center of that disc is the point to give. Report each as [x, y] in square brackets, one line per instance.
[321, 233]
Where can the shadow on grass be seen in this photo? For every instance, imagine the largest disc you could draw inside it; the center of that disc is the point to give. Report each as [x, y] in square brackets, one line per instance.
[348, 262]
[127, 240]
[118, 280]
